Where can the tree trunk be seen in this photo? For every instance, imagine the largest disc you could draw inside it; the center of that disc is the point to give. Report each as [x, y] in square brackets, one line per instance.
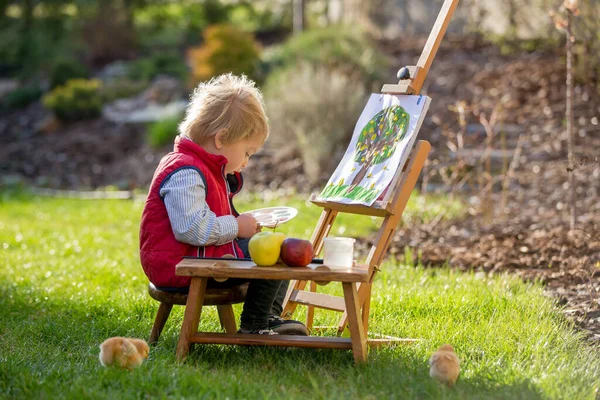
[569, 116]
[27, 22]
[298, 15]
[361, 174]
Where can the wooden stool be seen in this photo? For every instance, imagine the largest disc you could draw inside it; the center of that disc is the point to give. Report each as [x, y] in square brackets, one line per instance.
[223, 298]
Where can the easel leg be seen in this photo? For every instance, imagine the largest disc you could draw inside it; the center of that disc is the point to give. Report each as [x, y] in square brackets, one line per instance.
[366, 306]
[357, 332]
[310, 310]
[290, 307]
[191, 318]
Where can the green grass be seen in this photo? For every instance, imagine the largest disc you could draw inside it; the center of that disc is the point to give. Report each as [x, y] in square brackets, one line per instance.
[70, 278]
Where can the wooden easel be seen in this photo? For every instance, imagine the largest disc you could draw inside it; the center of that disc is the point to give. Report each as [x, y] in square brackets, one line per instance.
[356, 301]
[411, 80]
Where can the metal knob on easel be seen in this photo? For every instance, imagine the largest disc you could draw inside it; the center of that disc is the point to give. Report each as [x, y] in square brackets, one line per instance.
[403, 73]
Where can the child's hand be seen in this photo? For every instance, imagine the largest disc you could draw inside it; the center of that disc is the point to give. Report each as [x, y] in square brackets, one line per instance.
[247, 226]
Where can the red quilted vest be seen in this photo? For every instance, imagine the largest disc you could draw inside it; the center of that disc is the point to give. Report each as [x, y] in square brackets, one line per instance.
[159, 250]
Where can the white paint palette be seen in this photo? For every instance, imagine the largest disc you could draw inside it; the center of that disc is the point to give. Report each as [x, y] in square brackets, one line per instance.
[271, 217]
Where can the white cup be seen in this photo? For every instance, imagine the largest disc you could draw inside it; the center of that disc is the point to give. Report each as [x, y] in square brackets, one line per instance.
[338, 252]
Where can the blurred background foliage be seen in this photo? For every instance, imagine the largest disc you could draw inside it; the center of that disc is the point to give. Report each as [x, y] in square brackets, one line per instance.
[225, 49]
[78, 99]
[41, 35]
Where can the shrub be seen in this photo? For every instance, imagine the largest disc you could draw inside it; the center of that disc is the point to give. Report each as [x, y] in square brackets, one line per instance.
[225, 49]
[317, 108]
[163, 132]
[78, 99]
[146, 69]
[348, 51]
[20, 97]
[121, 88]
[65, 70]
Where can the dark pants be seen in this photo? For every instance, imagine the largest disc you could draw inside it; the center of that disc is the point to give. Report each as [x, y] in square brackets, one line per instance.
[263, 299]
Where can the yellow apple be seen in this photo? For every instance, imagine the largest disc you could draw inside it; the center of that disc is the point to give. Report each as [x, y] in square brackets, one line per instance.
[265, 247]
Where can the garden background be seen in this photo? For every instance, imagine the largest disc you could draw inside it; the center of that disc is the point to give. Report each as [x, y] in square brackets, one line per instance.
[90, 96]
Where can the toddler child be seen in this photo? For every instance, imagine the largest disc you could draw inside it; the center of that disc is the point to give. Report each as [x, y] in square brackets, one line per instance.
[189, 209]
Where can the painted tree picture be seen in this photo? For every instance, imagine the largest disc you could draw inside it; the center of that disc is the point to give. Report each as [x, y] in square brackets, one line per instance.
[383, 137]
[378, 139]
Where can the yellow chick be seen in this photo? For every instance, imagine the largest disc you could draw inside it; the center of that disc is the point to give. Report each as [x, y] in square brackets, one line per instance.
[141, 346]
[444, 365]
[123, 352]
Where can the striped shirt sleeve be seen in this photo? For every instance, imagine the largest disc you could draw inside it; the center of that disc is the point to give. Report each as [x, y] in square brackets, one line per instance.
[192, 221]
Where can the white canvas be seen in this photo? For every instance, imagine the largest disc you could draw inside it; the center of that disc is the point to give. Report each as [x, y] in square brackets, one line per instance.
[383, 136]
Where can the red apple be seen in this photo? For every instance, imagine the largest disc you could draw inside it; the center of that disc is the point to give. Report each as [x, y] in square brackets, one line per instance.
[296, 252]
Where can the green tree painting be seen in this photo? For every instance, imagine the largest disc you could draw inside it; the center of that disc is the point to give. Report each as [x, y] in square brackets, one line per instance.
[378, 139]
[376, 143]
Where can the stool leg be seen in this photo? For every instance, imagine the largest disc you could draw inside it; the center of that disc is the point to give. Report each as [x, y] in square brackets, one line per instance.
[191, 317]
[227, 318]
[164, 310]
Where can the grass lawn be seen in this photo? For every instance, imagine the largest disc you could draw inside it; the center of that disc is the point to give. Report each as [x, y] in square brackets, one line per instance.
[70, 278]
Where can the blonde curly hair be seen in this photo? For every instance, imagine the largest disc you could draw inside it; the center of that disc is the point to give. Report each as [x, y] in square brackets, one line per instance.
[228, 103]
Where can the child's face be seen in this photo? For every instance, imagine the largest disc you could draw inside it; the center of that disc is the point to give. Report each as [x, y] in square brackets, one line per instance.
[239, 153]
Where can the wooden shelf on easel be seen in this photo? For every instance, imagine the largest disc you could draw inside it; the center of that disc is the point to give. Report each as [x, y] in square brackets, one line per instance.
[378, 209]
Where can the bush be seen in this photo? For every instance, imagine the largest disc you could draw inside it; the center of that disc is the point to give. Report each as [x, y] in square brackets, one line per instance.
[20, 97]
[122, 88]
[348, 51]
[78, 99]
[163, 132]
[146, 69]
[317, 108]
[64, 70]
[225, 49]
